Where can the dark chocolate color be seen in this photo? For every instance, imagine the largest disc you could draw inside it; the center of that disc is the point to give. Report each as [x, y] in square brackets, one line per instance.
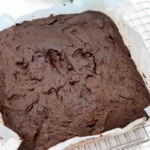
[67, 76]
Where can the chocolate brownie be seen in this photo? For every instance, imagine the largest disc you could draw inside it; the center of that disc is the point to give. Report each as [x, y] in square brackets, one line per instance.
[66, 76]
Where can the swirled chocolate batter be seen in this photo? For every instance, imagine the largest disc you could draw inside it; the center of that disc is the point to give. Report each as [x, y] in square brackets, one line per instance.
[66, 76]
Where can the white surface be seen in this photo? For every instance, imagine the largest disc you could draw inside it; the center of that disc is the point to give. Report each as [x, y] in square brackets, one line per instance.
[147, 109]
[9, 140]
[17, 8]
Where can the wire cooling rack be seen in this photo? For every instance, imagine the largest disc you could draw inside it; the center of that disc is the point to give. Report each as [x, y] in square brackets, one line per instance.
[139, 19]
[138, 139]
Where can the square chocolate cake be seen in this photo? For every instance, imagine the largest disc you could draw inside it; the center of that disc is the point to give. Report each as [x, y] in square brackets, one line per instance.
[66, 76]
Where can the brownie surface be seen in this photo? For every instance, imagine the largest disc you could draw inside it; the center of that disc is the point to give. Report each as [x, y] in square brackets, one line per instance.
[66, 76]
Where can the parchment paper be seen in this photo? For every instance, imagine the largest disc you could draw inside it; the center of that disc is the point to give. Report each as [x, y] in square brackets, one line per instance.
[116, 9]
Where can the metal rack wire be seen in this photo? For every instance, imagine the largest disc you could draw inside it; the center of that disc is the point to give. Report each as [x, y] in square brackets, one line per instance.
[139, 19]
[137, 139]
